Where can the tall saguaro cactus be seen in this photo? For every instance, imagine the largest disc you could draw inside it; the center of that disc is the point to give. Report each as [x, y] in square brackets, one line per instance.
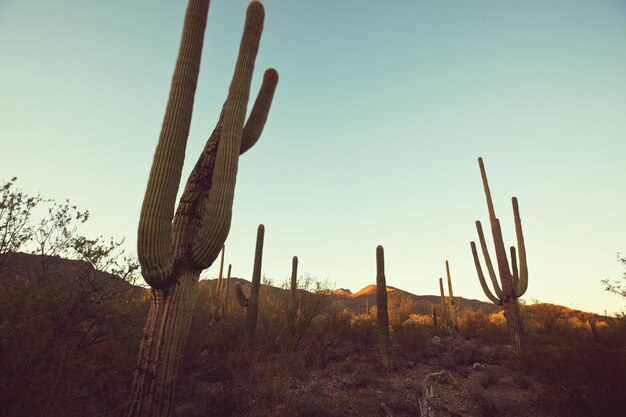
[174, 247]
[513, 281]
[293, 304]
[382, 314]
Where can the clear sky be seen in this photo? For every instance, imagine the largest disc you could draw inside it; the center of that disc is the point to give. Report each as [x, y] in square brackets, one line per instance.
[380, 114]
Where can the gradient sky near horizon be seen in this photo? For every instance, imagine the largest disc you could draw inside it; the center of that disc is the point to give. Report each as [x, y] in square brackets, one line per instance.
[380, 114]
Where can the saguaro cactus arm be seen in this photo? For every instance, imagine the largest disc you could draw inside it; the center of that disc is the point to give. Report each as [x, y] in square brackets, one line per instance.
[514, 271]
[191, 209]
[258, 116]
[444, 309]
[522, 285]
[450, 294]
[496, 231]
[218, 212]
[481, 277]
[154, 241]
[492, 273]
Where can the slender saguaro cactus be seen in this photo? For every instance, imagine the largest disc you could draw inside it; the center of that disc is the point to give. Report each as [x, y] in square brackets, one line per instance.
[174, 247]
[382, 315]
[252, 308]
[452, 307]
[444, 309]
[513, 282]
[293, 302]
[219, 283]
[225, 305]
[434, 313]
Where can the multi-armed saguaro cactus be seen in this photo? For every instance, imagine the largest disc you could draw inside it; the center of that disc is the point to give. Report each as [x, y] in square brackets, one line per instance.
[174, 247]
[513, 282]
[252, 309]
[293, 302]
[382, 315]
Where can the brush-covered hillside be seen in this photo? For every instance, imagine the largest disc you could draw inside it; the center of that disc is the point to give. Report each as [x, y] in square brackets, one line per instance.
[69, 337]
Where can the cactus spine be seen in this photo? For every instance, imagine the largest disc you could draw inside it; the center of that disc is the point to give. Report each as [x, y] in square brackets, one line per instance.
[513, 282]
[382, 315]
[252, 308]
[293, 303]
[174, 247]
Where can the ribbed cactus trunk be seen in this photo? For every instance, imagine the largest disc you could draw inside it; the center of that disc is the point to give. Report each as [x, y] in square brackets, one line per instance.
[382, 314]
[175, 246]
[293, 302]
[252, 309]
[434, 314]
[161, 346]
[513, 281]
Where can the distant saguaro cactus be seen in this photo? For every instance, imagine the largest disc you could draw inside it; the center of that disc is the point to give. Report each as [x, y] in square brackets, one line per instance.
[220, 281]
[513, 283]
[174, 247]
[293, 302]
[382, 315]
[444, 315]
[252, 308]
[225, 305]
[451, 306]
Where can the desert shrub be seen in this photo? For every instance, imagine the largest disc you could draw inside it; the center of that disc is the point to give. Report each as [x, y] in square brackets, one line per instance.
[478, 324]
[410, 338]
[460, 354]
[68, 328]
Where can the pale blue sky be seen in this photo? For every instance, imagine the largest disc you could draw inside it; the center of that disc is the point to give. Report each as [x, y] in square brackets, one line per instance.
[380, 114]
